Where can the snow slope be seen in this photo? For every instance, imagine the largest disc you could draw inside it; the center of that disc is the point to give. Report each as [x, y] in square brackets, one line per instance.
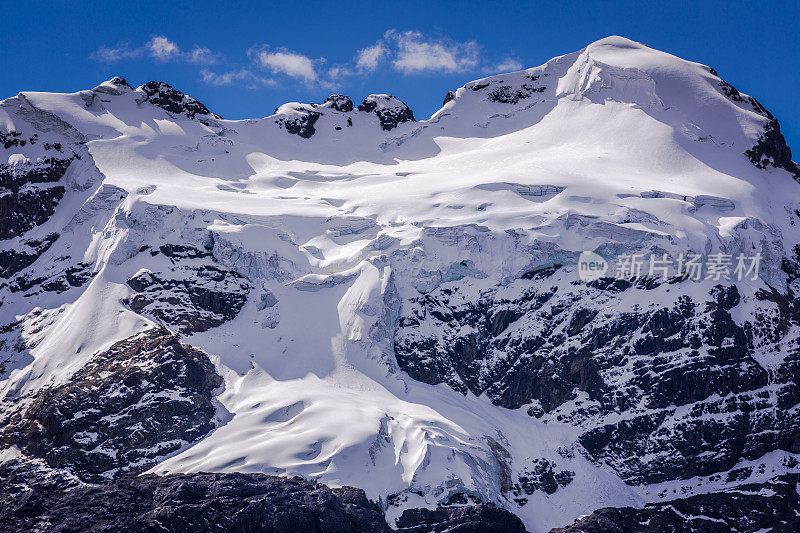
[339, 215]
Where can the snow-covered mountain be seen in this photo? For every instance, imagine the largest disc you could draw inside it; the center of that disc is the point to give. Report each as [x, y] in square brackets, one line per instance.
[347, 294]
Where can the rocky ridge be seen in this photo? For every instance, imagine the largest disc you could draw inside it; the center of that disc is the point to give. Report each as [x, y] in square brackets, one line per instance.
[34, 498]
[300, 119]
[143, 398]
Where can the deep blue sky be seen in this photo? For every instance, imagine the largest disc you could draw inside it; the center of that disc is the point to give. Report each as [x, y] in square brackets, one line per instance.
[431, 46]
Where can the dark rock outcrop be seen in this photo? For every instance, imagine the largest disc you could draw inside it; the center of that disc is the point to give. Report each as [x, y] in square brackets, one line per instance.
[119, 81]
[502, 91]
[520, 368]
[512, 95]
[245, 503]
[390, 111]
[29, 194]
[695, 398]
[143, 398]
[302, 119]
[169, 99]
[42, 159]
[340, 103]
[733, 94]
[481, 518]
[771, 149]
[24, 255]
[115, 86]
[192, 294]
[541, 475]
[772, 506]
[302, 124]
[33, 497]
[712, 437]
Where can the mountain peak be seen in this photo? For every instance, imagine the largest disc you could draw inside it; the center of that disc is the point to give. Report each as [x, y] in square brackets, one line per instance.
[118, 81]
[687, 97]
[301, 119]
[116, 86]
[391, 111]
[339, 103]
[617, 41]
[163, 95]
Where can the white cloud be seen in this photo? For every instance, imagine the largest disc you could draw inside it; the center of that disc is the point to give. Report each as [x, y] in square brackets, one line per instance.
[412, 52]
[107, 54]
[241, 76]
[507, 65]
[407, 52]
[162, 48]
[289, 63]
[202, 55]
[337, 73]
[416, 53]
[158, 47]
[368, 58]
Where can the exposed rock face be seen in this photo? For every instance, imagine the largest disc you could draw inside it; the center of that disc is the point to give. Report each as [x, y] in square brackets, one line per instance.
[734, 408]
[340, 103]
[33, 497]
[302, 124]
[509, 95]
[480, 518]
[119, 81]
[541, 475]
[143, 398]
[773, 506]
[57, 280]
[42, 158]
[11, 345]
[29, 193]
[734, 95]
[530, 343]
[26, 252]
[505, 92]
[477, 351]
[183, 503]
[772, 150]
[31, 268]
[711, 437]
[115, 86]
[391, 112]
[169, 99]
[303, 119]
[191, 292]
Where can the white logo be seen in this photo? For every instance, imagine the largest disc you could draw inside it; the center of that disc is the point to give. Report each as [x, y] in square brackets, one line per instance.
[591, 266]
